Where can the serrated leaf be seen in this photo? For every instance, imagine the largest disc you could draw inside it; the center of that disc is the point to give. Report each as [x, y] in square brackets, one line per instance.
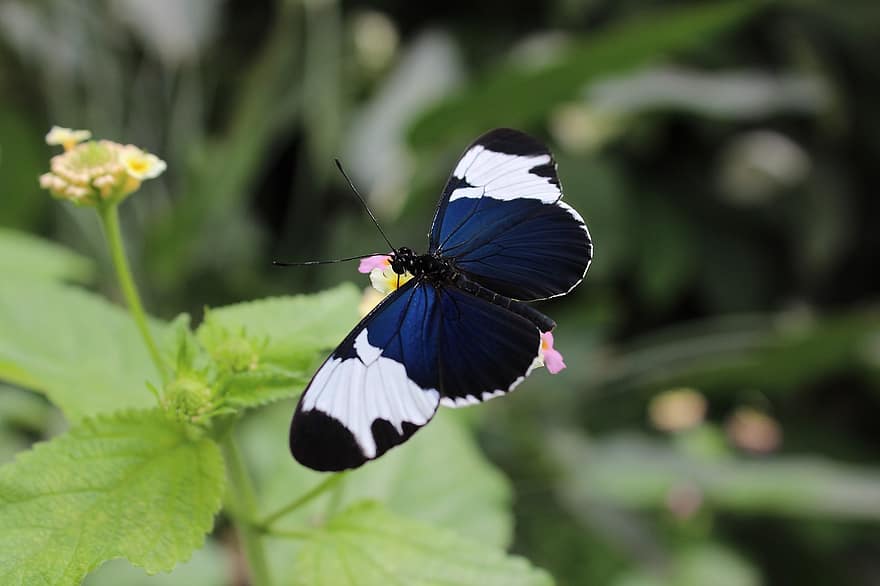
[470, 496]
[23, 415]
[24, 255]
[132, 485]
[80, 350]
[264, 385]
[369, 545]
[207, 567]
[508, 96]
[297, 328]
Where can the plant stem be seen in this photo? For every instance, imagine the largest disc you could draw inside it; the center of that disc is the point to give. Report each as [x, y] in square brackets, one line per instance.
[310, 495]
[292, 534]
[244, 505]
[110, 220]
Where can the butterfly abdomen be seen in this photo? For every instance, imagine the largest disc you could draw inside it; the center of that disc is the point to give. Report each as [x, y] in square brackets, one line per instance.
[541, 321]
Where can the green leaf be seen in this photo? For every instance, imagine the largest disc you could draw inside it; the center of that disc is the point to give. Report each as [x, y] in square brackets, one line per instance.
[368, 544]
[263, 385]
[697, 565]
[637, 473]
[134, 485]
[84, 353]
[23, 416]
[515, 96]
[207, 567]
[475, 499]
[296, 329]
[713, 564]
[23, 255]
[730, 353]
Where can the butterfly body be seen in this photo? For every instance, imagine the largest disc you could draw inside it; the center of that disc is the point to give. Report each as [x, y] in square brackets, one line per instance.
[431, 267]
[461, 330]
[441, 272]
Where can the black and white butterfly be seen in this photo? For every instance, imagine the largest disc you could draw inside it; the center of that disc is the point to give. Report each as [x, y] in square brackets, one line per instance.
[460, 331]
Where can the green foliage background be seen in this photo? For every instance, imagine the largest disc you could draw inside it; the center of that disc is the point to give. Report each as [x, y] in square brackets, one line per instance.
[723, 154]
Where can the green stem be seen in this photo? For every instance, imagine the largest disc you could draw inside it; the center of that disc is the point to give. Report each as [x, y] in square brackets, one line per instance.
[110, 220]
[310, 495]
[292, 534]
[243, 504]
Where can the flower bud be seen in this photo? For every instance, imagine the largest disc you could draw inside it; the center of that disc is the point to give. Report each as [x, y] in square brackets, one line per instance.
[66, 137]
[188, 398]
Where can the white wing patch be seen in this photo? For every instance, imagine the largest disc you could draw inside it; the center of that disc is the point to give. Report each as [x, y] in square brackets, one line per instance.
[358, 391]
[503, 176]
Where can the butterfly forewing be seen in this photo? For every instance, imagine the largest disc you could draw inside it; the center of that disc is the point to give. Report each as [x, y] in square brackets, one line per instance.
[502, 219]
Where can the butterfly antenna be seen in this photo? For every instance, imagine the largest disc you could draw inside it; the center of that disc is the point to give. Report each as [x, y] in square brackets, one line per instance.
[279, 263]
[364, 203]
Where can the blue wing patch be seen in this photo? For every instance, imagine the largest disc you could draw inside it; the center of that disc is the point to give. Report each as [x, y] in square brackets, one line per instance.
[502, 220]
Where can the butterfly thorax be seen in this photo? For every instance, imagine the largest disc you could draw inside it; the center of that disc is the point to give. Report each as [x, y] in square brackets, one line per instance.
[428, 266]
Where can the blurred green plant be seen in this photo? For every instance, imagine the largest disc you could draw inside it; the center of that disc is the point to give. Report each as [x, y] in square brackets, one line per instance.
[143, 478]
[727, 172]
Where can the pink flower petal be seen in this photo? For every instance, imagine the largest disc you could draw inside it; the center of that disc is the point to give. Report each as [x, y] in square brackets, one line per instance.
[378, 261]
[552, 358]
[553, 361]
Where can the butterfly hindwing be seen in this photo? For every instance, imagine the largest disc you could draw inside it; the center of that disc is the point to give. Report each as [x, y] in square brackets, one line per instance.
[485, 349]
[376, 389]
[502, 220]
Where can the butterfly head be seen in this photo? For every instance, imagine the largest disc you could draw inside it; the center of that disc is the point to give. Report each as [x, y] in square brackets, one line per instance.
[404, 260]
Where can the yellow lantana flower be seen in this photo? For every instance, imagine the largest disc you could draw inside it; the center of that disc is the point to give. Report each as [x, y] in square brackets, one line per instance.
[382, 277]
[96, 170]
[140, 164]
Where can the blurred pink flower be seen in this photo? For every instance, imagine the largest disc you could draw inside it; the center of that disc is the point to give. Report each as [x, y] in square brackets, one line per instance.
[378, 261]
[552, 358]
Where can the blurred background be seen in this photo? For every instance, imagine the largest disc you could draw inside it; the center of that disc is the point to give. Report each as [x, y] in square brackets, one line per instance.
[717, 423]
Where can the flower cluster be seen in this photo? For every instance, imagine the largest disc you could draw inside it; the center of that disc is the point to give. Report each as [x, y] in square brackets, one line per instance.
[89, 172]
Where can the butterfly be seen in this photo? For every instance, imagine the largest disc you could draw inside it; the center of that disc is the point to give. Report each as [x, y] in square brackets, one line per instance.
[459, 329]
